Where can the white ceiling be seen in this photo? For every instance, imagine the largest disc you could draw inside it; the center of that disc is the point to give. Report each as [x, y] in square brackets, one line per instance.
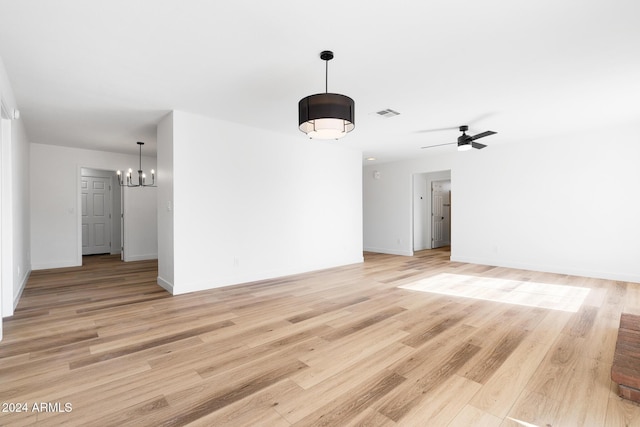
[101, 74]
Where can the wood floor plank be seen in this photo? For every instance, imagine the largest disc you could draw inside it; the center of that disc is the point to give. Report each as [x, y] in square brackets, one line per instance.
[406, 398]
[370, 418]
[587, 400]
[298, 407]
[552, 378]
[500, 392]
[435, 326]
[49, 387]
[256, 409]
[194, 406]
[128, 392]
[621, 412]
[632, 299]
[495, 352]
[342, 410]
[440, 409]
[532, 409]
[472, 416]
[425, 357]
[365, 344]
[345, 353]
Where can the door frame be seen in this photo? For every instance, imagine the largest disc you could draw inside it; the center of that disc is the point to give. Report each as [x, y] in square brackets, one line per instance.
[89, 216]
[116, 206]
[421, 219]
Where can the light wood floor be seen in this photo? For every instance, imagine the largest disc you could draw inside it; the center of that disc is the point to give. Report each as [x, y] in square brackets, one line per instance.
[368, 344]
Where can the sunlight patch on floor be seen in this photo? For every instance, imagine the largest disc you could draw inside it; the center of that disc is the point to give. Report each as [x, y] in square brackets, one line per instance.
[522, 423]
[531, 294]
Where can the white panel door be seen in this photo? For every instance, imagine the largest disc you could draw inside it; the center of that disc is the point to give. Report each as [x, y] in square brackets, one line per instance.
[96, 215]
[440, 213]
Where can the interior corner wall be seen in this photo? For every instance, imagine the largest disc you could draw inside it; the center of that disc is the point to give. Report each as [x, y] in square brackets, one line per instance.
[165, 202]
[388, 205]
[250, 204]
[56, 239]
[566, 204]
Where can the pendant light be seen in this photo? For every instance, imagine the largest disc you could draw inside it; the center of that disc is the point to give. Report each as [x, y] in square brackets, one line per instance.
[326, 115]
[142, 177]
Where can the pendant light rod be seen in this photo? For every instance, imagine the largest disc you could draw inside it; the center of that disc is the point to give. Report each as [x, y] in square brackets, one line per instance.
[326, 56]
[326, 76]
[140, 144]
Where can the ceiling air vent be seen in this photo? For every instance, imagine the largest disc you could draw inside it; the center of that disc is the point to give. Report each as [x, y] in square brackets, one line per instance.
[388, 113]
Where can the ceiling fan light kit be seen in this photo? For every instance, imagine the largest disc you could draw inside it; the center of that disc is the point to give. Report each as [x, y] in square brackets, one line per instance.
[127, 181]
[326, 115]
[464, 146]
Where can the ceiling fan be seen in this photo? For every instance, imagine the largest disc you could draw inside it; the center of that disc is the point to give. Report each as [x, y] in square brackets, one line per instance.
[466, 142]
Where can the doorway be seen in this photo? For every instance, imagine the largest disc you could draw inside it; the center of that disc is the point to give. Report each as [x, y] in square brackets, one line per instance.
[423, 210]
[440, 213]
[101, 212]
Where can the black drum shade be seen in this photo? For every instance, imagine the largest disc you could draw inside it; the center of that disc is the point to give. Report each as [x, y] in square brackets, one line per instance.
[326, 115]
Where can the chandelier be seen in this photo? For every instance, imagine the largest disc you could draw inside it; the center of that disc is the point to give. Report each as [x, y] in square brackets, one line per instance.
[127, 181]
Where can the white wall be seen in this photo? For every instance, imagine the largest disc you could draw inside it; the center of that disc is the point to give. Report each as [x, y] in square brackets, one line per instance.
[140, 223]
[388, 202]
[250, 204]
[568, 205]
[21, 208]
[165, 202]
[56, 238]
[15, 253]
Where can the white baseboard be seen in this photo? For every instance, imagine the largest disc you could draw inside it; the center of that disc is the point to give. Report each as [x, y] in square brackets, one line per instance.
[549, 269]
[184, 288]
[140, 257]
[23, 284]
[167, 286]
[389, 251]
[49, 265]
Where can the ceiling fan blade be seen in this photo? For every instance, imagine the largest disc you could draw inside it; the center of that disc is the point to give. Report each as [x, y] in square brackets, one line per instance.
[477, 145]
[439, 145]
[435, 130]
[483, 134]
